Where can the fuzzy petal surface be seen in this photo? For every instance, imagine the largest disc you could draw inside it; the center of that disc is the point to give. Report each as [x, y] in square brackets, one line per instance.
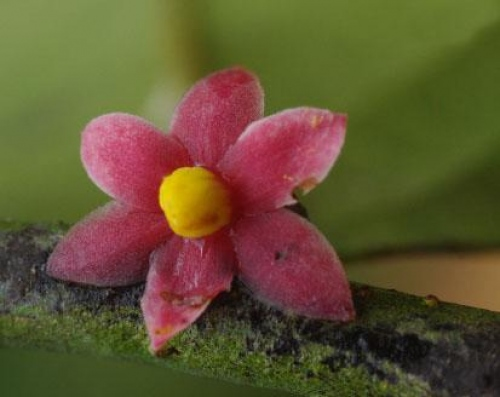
[288, 263]
[127, 158]
[214, 113]
[185, 275]
[109, 247]
[292, 149]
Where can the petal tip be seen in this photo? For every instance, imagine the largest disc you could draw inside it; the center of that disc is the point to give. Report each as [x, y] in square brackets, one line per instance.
[227, 82]
[53, 266]
[159, 339]
[347, 313]
[236, 74]
[340, 122]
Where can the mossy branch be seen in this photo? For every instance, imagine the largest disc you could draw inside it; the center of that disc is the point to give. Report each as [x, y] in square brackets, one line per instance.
[400, 345]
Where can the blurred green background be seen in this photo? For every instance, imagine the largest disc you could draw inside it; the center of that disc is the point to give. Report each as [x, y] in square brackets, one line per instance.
[420, 168]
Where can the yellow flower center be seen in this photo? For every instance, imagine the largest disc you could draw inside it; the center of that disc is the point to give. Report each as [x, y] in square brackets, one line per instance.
[195, 201]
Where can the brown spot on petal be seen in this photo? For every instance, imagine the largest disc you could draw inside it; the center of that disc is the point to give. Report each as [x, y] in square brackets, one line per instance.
[316, 120]
[308, 184]
[179, 300]
[280, 255]
[166, 330]
[170, 297]
[195, 301]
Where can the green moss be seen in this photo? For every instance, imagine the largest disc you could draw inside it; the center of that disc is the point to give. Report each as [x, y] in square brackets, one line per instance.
[212, 353]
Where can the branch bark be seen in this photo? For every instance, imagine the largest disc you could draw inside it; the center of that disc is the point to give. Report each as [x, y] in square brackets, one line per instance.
[400, 345]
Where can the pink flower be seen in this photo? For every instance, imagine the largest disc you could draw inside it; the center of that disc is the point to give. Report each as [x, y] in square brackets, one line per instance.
[204, 203]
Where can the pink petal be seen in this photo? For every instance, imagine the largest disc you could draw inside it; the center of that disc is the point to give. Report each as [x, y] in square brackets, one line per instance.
[275, 155]
[215, 112]
[185, 275]
[110, 247]
[127, 158]
[287, 263]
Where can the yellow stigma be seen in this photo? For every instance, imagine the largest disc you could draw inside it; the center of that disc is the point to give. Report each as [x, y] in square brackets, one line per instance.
[195, 202]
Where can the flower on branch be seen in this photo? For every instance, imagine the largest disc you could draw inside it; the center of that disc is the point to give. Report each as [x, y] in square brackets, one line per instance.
[195, 207]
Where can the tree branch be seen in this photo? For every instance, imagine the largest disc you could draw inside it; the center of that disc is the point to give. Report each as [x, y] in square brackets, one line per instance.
[400, 345]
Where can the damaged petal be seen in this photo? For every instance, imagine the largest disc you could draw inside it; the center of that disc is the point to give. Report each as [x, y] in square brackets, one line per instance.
[184, 277]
